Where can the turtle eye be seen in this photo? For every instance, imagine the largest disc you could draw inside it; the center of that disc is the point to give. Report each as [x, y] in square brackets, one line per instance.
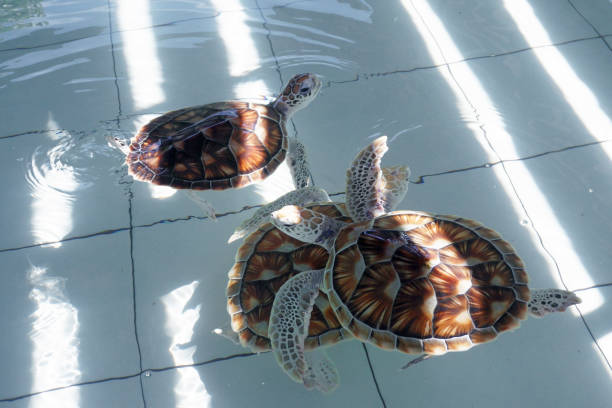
[304, 89]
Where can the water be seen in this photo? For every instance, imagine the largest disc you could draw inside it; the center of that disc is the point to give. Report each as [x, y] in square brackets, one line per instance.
[112, 290]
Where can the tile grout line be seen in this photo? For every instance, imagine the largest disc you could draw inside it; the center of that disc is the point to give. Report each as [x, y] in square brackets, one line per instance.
[152, 224]
[269, 38]
[366, 76]
[590, 24]
[134, 305]
[485, 135]
[129, 376]
[418, 180]
[600, 285]
[382, 399]
[130, 197]
[357, 78]
[276, 63]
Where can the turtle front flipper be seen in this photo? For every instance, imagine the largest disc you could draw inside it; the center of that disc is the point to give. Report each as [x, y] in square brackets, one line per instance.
[321, 372]
[289, 320]
[365, 185]
[396, 186]
[300, 197]
[545, 301]
[298, 164]
[307, 225]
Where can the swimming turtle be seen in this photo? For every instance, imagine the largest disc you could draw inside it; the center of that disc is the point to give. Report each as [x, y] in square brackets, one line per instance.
[410, 281]
[219, 145]
[268, 258]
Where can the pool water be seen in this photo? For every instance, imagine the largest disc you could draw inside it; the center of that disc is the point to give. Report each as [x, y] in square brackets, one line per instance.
[111, 289]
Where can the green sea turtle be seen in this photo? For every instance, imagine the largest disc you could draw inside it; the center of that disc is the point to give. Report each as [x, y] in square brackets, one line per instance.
[220, 145]
[267, 258]
[410, 281]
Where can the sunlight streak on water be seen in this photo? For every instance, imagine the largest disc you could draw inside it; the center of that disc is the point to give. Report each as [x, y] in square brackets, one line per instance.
[442, 48]
[576, 93]
[189, 389]
[161, 192]
[55, 342]
[143, 66]
[277, 184]
[243, 58]
[51, 183]
[236, 35]
[605, 343]
[252, 90]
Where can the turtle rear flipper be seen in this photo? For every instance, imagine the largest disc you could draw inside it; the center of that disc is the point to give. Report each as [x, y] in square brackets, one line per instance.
[321, 372]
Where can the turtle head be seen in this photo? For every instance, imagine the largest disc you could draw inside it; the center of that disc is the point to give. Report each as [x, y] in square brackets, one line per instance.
[298, 93]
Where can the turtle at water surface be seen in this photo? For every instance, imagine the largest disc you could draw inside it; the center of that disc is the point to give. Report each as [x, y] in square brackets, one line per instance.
[410, 281]
[219, 145]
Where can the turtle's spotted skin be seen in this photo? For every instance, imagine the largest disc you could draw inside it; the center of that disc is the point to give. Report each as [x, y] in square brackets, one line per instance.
[264, 262]
[422, 283]
[215, 146]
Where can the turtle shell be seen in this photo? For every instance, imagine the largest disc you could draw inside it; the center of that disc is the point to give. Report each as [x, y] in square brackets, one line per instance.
[424, 283]
[215, 146]
[264, 262]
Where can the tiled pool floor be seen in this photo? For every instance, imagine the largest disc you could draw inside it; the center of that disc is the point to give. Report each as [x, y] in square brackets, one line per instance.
[110, 290]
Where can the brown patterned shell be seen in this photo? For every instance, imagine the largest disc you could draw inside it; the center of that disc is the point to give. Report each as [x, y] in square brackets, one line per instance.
[264, 262]
[424, 283]
[215, 146]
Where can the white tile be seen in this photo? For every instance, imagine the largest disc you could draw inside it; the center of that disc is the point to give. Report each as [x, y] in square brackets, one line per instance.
[425, 129]
[258, 381]
[118, 393]
[339, 39]
[529, 112]
[32, 24]
[60, 69]
[170, 58]
[486, 28]
[546, 362]
[67, 315]
[578, 192]
[599, 324]
[597, 12]
[181, 276]
[53, 184]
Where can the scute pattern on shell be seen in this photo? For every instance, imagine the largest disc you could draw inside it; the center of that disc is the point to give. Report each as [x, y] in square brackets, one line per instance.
[433, 283]
[214, 146]
[266, 260]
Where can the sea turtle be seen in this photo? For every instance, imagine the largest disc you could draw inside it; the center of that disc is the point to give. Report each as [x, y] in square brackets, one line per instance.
[410, 281]
[268, 258]
[220, 145]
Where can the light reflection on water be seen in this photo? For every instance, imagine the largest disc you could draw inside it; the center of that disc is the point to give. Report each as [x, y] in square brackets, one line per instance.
[57, 176]
[55, 341]
[52, 185]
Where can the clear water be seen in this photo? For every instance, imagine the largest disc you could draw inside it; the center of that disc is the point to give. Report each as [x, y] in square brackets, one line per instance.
[110, 290]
